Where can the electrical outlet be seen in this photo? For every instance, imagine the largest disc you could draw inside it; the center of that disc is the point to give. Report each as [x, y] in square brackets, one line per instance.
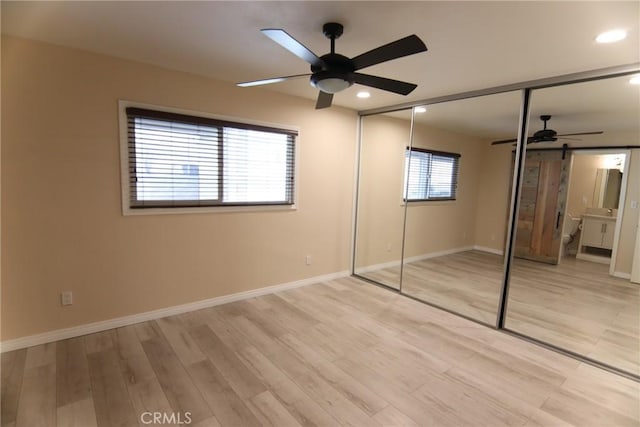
[634, 204]
[307, 259]
[66, 298]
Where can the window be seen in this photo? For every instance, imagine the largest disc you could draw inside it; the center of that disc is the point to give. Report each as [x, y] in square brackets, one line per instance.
[430, 175]
[177, 160]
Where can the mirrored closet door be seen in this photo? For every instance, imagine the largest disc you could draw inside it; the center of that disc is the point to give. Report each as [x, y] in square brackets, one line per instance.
[458, 203]
[577, 224]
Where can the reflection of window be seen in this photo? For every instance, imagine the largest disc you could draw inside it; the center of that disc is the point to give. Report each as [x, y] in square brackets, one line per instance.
[430, 175]
[183, 161]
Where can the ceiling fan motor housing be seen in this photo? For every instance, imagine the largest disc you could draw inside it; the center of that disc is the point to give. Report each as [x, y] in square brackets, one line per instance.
[336, 73]
[545, 135]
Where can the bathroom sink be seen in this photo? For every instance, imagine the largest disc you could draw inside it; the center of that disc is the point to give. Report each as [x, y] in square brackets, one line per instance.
[601, 212]
[588, 215]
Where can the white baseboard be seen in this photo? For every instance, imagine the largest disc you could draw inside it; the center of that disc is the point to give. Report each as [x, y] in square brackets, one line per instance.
[593, 258]
[622, 275]
[396, 263]
[90, 328]
[488, 250]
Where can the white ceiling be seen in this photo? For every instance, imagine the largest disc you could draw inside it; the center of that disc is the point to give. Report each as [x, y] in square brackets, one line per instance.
[472, 45]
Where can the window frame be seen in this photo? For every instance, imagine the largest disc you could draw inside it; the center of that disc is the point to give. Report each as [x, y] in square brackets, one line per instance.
[405, 187]
[206, 118]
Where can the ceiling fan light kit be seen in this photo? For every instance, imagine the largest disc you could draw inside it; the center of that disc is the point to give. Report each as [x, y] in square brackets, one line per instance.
[329, 81]
[333, 73]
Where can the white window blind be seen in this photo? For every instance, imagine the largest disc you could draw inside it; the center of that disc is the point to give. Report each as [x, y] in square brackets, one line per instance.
[177, 160]
[430, 175]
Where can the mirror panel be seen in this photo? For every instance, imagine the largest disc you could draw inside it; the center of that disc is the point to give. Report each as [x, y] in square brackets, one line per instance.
[580, 298]
[380, 212]
[455, 240]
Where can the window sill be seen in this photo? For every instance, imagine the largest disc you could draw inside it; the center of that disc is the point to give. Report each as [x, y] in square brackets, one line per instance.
[429, 202]
[207, 210]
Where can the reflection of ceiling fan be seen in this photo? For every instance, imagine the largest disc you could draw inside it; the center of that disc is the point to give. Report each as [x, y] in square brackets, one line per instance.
[333, 72]
[546, 135]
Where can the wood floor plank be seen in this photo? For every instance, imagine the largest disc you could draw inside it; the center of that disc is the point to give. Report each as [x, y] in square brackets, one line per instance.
[290, 316]
[243, 382]
[354, 391]
[109, 391]
[183, 345]
[226, 405]
[303, 408]
[176, 383]
[134, 364]
[147, 330]
[222, 327]
[595, 385]
[270, 411]
[79, 413]
[73, 383]
[508, 378]
[127, 342]
[579, 411]
[37, 405]
[390, 391]
[99, 341]
[390, 416]
[209, 422]
[147, 396]
[459, 403]
[13, 364]
[40, 355]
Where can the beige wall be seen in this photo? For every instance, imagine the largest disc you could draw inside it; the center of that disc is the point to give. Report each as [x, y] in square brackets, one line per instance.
[380, 209]
[582, 183]
[628, 230]
[62, 227]
[494, 196]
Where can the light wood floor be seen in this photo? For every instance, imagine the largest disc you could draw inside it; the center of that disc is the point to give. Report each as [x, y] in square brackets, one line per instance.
[338, 353]
[575, 305]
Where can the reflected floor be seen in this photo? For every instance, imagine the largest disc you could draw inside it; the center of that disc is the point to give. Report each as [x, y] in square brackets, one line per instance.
[575, 305]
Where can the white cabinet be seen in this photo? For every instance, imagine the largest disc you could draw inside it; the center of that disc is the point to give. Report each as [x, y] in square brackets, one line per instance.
[597, 231]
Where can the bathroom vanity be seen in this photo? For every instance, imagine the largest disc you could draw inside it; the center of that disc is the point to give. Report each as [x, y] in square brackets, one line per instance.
[596, 238]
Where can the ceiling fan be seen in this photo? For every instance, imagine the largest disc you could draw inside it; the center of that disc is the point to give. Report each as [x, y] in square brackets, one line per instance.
[546, 135]
[332, 73]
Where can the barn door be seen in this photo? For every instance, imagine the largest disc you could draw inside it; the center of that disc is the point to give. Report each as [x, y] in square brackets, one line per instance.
[542, 206]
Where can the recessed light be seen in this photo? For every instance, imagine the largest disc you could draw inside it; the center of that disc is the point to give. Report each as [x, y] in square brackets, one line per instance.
[420, 109]
[363, 94]
[635, 80]
[611, 36]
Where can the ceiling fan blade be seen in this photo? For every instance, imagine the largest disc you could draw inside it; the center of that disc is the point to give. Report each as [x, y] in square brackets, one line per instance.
[324, 100]
[599, 132]
[292, 45]
[396, 86]
[568, 139]
[530, 140]
[504, 141]
[269, 81]
[397, 49]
